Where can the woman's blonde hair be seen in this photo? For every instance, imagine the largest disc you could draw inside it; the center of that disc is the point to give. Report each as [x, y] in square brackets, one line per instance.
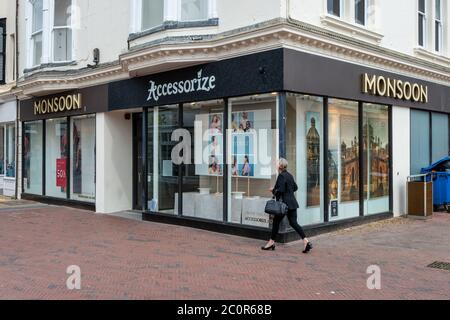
[283, 164]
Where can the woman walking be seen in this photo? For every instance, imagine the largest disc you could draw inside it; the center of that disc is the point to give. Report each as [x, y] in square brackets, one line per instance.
[284, 190]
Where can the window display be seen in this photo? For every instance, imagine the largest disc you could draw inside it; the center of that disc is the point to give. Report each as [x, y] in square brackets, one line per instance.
[376, 158]
[82, 158]
[56, 150]
[304, 139]
[343, 159]
[253, 152]
[10, 151]
[32, 157]
[203, 178]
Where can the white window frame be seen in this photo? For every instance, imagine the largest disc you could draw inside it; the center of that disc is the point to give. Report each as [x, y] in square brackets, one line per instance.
[425, 27]
[67, 27]
[47, 32]
[440, 21]
[366, 13]
[172, 12]
[342, 8]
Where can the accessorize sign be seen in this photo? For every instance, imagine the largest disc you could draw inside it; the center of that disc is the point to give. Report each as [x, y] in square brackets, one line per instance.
[392, 88]
[200, 83]
[58, 104]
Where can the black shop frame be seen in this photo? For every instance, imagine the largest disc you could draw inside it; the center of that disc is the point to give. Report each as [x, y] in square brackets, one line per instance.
[258, 232]
[44, 198]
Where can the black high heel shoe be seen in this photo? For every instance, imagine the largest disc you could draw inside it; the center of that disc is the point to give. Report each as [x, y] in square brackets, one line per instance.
[272, 247]
[308, 248]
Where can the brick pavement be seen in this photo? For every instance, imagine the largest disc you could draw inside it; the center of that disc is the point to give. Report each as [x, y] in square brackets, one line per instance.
[125, 259]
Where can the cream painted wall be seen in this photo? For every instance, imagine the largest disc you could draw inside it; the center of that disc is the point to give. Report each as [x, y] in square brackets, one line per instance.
[401, 157]
[114, 163]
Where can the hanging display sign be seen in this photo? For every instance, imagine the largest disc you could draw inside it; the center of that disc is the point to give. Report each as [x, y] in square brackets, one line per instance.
[61, 177]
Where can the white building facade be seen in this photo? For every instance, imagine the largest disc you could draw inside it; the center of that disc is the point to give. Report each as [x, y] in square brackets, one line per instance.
[354, 93]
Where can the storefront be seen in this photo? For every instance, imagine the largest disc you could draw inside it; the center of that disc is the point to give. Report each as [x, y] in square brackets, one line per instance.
[8, 113]
[59, 146]
[198, 146]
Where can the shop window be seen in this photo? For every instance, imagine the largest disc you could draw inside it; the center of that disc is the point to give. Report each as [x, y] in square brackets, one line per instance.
[192, 10]
[152, 13]
[162, 172]
[82, 158]
[203, 177]
[10, 150]
[343, 159]
[62, 33]
[2, 150]
[304, 145]
[252, 157]
[420, 140]
[32, 157]
[376, 158]
[439, 136]
[2, 51]
[422, 22]
[37, 30]
[56, 150]
[334, 7]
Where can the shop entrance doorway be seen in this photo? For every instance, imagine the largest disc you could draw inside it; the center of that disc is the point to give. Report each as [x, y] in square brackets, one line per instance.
[138, 172]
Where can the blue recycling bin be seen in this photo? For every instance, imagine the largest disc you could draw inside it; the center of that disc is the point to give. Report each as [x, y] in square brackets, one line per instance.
[440, 174]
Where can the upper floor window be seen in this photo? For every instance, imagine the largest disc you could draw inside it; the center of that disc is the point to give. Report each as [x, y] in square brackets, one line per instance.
[62, 33]
[50, 31]
[37, 30]
[2, 51]
[361, 12]
[152, 13]
[422, 22]
[192, 10]
[438, 26]
[334, 7]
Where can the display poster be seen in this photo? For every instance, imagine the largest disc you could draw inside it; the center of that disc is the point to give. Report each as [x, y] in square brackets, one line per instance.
[334, 209]
[313, 127]
[378, 157]
[61, 177]
[349, 159]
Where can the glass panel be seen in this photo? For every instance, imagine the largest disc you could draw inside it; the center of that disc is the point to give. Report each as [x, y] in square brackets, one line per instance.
[360, 11]
[37, 15]
[437, 35]
[203, 177]
[56, 158]
[439, 133]
[62, 13]
[2, 150]
[162, 172]
[194, 10]
[343, 159]
[32, 157]
[253, 154]
[334, 7]
[82, 158]
[438, 9]
[152, 13]
[10, 151]
[422, 6]
[62, 44]
[421, 29]
[420, 140]
[304, 129]
[37, 49]
[376, 158]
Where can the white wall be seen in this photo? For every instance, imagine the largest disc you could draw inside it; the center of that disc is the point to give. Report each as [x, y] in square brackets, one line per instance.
[8, 111]
[114, 163]
[400, 157]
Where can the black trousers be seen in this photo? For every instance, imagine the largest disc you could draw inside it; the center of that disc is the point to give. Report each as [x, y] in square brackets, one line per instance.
[292, 217]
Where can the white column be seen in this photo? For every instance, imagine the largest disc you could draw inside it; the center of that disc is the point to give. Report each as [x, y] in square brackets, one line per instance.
[401, 157]
[172, 10]
[46, 34]
[212, 9]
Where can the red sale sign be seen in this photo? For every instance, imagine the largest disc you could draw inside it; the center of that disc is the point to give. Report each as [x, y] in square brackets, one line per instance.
[61, 178]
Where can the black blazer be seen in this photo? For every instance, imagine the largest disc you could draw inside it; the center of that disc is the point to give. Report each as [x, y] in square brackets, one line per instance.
[284, 189]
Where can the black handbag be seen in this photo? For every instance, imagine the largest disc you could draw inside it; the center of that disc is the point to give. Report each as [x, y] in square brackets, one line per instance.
[277, 208]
